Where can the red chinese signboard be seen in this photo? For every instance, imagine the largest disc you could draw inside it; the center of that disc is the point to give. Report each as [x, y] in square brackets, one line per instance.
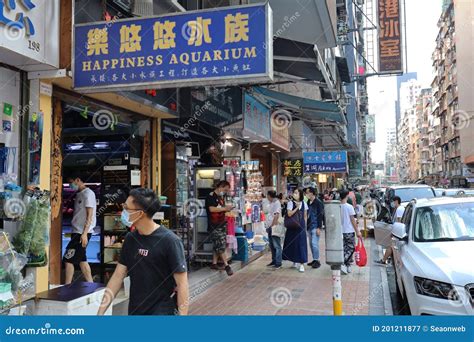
[390, 39]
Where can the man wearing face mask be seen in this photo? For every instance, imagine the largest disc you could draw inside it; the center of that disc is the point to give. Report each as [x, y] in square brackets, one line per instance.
[398, 211]
[216, 210]
[83, 223]
[153, 257]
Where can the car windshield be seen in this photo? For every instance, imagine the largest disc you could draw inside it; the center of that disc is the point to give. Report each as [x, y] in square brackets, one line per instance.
[407, 194]
[445, 222]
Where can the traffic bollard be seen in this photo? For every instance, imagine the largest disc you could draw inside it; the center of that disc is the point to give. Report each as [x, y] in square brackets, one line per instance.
[336, 292]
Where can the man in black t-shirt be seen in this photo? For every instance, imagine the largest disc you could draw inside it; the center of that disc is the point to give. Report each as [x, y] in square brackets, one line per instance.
[216, 210]
[153, 257]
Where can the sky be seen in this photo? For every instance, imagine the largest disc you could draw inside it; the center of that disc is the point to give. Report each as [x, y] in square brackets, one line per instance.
[422, 19]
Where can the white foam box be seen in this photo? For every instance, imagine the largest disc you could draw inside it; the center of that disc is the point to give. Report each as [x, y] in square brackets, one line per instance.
[81, 302]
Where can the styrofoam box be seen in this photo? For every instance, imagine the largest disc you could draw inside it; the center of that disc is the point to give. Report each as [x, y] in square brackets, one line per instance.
[83, 306]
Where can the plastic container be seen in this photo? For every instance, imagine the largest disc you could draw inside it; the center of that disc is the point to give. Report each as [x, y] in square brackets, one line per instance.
[249, 235]
[163, 199]
[258, 247]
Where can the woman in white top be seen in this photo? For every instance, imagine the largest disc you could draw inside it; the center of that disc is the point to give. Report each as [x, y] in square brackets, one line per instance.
[295, 248]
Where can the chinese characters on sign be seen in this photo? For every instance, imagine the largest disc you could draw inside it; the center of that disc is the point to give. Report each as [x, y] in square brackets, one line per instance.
[325, 162]
[370, 128]
[256, 120]
[355, 165]
[293, 167]
[204, 47]
[390, 39]
[22, 20]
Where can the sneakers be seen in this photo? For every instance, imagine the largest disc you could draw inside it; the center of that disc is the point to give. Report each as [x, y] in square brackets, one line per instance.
[381, 262]
[276, 267]
[344, 269]
[311, 263]
[271, 264]
[229, 270]
[295, 265]
[349, 269]
[316, 264]
[301, 269]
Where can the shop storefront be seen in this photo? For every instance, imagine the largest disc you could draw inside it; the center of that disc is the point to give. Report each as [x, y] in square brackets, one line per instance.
[326, 169]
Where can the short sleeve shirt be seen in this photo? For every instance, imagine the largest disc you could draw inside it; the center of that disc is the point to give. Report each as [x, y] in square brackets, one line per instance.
[290, 206]
[152, 260]
[273, 208]
[84, 199]
[214, 200]
[347, 212]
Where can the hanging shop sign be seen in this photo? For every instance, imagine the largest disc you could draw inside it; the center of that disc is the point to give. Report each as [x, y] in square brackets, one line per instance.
[370, 128]
[219, 46]
[29, 34]
[280, 137]
[325, 162]
[216, 106]
[390, 39]
[355, 164]
[256, 115]
[293, 167]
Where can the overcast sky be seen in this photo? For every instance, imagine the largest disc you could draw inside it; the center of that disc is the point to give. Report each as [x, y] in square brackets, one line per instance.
[422, 18]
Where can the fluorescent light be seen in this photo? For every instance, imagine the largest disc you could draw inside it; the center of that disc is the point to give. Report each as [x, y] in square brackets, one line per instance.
[75, 147]
[264, 145]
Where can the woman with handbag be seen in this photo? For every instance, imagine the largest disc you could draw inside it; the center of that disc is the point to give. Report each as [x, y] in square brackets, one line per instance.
[295, 248]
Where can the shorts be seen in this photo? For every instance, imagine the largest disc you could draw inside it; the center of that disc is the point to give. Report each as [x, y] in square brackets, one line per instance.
[219, 238]
[75, 253]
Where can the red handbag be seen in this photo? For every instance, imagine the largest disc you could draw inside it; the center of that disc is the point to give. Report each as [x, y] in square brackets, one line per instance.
[360, 254]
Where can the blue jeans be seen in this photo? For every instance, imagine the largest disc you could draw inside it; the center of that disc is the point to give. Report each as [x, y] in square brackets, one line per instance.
[275, 248]
[314, 242]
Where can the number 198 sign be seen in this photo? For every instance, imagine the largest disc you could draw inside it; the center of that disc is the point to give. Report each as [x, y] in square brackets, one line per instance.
[220, 47]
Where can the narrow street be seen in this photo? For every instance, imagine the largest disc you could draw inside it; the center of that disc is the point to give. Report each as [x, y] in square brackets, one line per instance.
[258, 290]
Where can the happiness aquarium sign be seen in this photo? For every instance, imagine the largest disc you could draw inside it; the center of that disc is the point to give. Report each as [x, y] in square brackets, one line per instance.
[222, 46]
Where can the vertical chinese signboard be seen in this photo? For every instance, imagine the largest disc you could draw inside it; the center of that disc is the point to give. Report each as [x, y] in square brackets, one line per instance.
[212, 47]
[390, 38]
[355, 164]
[370, 128]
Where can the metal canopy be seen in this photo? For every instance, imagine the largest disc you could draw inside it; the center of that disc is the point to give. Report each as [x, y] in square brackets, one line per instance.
[308, 109]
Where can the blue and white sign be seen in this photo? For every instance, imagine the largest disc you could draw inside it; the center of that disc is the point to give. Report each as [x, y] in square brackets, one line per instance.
[219, 46]
[325, 162]
[257, 124]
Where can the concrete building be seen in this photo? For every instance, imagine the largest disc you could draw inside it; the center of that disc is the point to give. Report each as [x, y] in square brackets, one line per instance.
[453, 56]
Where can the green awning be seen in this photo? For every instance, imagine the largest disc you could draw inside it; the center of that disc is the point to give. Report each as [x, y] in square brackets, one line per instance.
[311, 110]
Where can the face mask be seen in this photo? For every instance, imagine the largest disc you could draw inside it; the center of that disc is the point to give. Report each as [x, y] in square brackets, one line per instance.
[125, 218]
[392, 204]
[74, 186]
[222, 193]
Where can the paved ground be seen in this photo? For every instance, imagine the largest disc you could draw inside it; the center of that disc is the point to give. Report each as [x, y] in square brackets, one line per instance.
[256, 290]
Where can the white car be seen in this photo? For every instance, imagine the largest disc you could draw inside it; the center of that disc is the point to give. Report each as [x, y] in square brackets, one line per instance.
[433, 251]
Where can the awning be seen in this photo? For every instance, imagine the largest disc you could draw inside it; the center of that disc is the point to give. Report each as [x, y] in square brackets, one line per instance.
[296, 59]
[310, 110]
[343, 69]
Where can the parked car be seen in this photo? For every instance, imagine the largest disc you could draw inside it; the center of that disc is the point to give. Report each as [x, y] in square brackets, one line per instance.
[439, 192]
[409, 192]
[451, 192]
[433, 248]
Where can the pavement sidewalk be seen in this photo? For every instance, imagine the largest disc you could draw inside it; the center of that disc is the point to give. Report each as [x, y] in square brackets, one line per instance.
[258, 290]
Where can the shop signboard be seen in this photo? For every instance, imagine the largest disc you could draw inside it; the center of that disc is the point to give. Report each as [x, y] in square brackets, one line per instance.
[370, 128]
[256, 116]
[293, 167]
[216, 106]
[325, 162]
[280, 137]
[390, 39]
[355, 164]
[219, 46]
[29, 34]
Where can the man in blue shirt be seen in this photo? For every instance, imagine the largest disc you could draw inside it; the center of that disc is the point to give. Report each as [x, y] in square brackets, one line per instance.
[315, 224]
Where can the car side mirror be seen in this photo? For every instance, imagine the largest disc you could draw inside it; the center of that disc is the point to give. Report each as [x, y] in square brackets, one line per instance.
[399, 230]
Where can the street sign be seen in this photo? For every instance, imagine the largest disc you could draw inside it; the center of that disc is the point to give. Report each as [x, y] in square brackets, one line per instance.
[325, 162]
[220, 46]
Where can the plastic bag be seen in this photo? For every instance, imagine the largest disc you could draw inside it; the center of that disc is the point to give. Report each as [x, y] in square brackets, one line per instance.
[360, 254]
